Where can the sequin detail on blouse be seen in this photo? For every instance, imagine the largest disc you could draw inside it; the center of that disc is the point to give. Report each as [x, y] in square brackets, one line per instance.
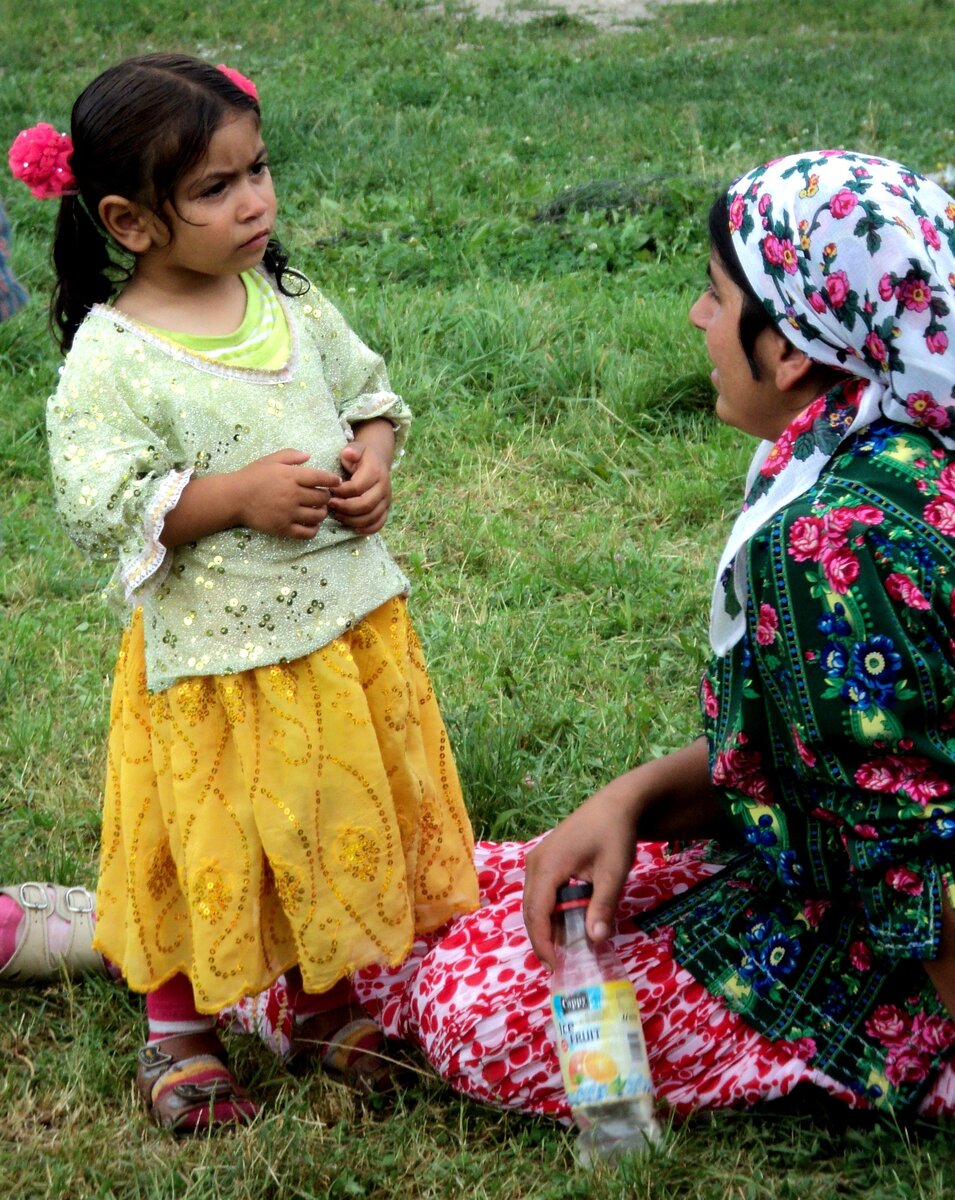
[134, 417]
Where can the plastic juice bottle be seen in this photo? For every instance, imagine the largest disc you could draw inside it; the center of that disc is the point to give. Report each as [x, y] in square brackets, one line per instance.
[603, 1056]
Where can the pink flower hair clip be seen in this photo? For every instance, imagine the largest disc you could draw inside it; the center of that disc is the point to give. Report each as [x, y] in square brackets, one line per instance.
[241, 81]
[40, 158]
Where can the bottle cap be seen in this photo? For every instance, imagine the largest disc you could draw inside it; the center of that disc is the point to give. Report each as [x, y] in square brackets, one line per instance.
[573, 895]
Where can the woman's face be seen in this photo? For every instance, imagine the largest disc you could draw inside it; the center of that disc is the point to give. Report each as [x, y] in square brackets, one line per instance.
[756, 406]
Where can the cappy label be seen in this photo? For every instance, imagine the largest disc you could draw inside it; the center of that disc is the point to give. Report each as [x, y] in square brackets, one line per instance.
[600, 1044]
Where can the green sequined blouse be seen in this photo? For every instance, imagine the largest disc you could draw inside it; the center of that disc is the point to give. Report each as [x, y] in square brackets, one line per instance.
[135, 417]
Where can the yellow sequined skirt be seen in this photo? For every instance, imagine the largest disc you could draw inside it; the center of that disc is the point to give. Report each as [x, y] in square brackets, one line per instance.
[305, 813]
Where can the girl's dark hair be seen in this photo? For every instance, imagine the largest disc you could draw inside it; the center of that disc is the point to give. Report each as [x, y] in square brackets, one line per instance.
[753, 317]
[137, 129]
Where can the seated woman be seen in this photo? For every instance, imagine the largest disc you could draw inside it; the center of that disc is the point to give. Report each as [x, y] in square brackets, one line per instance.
[823, 952]
[814, 941]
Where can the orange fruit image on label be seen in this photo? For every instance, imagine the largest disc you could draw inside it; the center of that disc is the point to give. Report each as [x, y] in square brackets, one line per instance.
[599, 1066]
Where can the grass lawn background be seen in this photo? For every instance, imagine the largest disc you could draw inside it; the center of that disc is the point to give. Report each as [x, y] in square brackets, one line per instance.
[515, 218]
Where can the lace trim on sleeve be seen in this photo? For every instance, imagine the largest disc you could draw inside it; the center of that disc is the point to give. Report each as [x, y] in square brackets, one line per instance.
[153, 556]
[386, 404]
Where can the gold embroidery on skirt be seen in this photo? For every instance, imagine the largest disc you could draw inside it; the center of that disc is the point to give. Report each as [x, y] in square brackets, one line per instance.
[358, 853]
[302, 813]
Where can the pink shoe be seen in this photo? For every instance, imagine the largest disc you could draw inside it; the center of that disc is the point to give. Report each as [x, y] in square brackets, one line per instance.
[33, 960]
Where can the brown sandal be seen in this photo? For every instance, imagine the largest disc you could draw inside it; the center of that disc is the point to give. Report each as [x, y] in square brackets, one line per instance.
[187, 1086]
[352, 1050]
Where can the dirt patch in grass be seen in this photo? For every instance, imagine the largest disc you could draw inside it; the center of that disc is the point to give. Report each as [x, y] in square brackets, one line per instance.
[605, 14]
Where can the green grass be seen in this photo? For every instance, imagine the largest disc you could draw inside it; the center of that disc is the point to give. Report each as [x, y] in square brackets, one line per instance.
[514, 216]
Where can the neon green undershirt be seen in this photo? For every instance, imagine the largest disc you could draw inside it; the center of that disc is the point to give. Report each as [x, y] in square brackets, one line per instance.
[262, 340]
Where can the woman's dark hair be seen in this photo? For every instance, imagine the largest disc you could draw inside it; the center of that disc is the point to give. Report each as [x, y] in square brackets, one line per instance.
[753, 317]
[137, 129]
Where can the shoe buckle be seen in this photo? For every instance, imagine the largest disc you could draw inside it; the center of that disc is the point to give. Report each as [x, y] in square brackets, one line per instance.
[150, 1056]
[214, 1090]
[86, 902]
[34, 896]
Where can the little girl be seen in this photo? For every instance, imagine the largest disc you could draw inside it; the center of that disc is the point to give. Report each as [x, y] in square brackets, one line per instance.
[280, 793]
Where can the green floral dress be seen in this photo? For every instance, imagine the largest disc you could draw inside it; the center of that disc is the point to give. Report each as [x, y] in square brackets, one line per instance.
[831, 726]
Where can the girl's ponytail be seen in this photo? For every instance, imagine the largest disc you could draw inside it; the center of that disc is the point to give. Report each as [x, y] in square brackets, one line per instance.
[85, 273]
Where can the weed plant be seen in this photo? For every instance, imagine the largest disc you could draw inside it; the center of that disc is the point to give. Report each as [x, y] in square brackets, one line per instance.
[514, 215]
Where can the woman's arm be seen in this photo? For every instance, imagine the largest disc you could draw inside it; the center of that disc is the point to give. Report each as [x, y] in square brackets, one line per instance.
[669, 797]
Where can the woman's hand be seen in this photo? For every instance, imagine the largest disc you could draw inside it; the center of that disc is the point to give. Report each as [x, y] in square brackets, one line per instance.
[596, 842]
[668, 797]
[363, 501]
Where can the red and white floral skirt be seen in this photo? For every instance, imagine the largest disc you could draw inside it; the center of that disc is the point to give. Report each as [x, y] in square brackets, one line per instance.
[475, 999]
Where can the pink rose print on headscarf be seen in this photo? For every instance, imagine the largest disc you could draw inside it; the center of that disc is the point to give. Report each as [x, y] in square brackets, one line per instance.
[842, 203]
[876, 349]
[923, 410]
[736, 213]
[817, 302]
[915, 293]
[711, 706]
[937, 341]
[779, 455]
[930, 233]
[837, 288]
[807, 418]
[780, 252]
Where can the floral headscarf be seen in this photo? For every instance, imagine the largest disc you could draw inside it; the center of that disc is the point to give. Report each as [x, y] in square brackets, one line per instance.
[854, 260]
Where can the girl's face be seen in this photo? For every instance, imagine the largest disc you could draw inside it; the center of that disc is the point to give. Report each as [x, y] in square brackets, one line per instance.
[224, 207]
[756, 406]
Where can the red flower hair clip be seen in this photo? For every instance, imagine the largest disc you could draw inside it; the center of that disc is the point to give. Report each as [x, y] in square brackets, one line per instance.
[241, 81]
[40, 158]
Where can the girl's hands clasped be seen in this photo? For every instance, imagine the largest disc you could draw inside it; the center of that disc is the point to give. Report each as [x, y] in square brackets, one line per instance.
[276, 494]
[363, 501]
[280, 495]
